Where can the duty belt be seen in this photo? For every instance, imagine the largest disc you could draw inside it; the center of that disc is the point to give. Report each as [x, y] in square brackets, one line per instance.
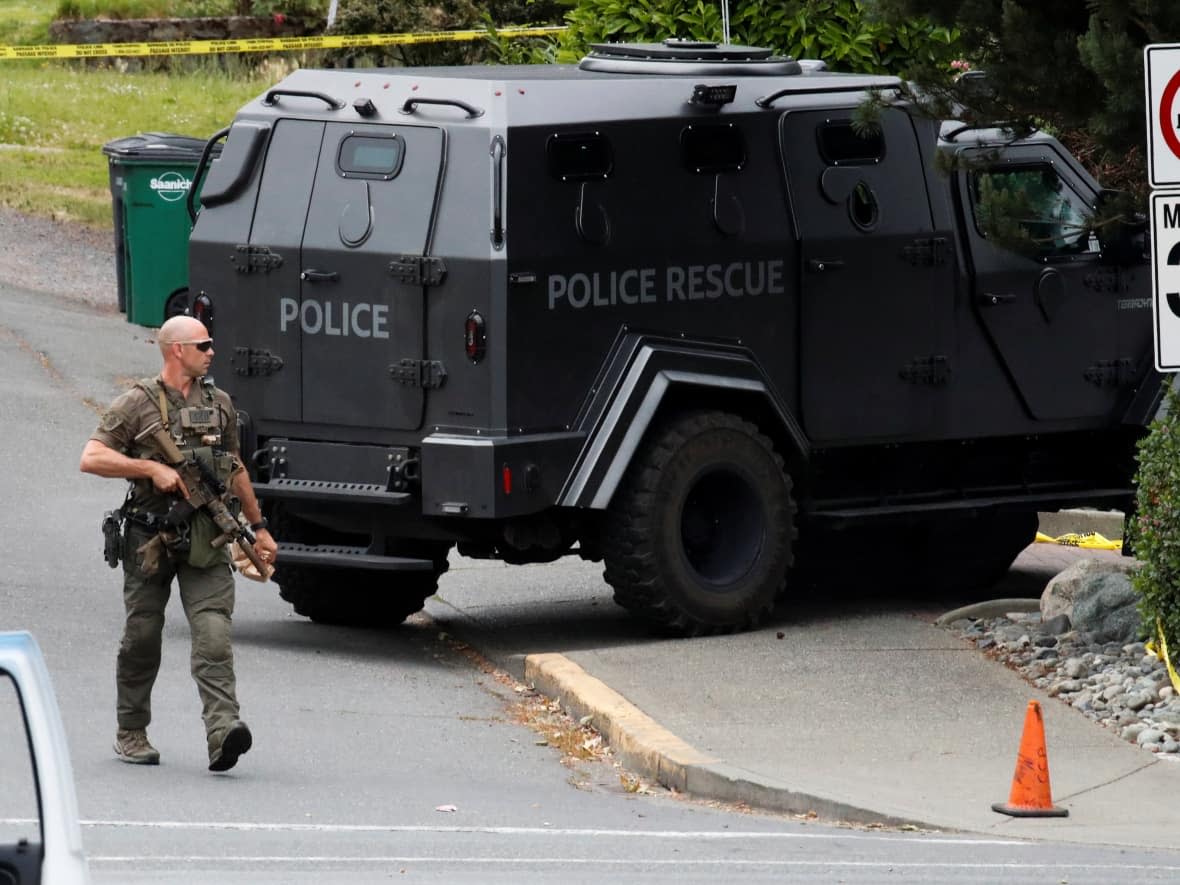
[153, 522]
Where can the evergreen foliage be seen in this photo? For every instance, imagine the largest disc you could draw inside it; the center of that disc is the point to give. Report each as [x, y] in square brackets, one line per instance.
[1074, 67]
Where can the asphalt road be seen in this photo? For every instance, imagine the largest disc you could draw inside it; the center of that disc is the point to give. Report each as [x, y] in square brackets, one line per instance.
[362, 736]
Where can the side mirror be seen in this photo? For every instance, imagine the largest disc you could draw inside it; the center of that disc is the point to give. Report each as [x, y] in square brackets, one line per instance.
[1121, 228]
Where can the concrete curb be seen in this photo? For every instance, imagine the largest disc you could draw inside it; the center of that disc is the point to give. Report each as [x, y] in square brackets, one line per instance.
[647, 747]
[1108, 523]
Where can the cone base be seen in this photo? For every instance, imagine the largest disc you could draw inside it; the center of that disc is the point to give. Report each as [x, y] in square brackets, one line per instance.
[1022, 811]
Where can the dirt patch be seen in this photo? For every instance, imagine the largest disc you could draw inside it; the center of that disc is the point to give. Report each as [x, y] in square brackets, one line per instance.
[68, 260]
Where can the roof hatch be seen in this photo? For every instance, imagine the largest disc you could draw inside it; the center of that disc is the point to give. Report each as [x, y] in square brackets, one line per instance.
[687, 58]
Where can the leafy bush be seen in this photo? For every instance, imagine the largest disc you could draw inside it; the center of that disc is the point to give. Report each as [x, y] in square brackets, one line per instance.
[1153, 532]
[844, 33]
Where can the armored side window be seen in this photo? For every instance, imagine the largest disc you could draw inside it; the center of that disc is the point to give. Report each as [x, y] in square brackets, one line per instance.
[712, 148]
[841, 145]
[1032, 210]
[579, 156]
[370, 156]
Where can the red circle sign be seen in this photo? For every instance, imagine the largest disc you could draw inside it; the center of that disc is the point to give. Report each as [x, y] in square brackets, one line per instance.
[1167, 128]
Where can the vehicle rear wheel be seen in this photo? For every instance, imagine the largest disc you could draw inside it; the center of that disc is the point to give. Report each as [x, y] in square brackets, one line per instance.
[356, 597]
[349, 596]
[698, 537]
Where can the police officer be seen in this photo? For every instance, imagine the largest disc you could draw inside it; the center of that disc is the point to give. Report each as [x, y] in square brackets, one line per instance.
[199, 417]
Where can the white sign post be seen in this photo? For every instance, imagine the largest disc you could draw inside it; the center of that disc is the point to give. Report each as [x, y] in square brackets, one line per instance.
[1161, 72]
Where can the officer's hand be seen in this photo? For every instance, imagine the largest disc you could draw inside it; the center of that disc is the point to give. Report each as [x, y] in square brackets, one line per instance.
[167, 480]
[265, 545]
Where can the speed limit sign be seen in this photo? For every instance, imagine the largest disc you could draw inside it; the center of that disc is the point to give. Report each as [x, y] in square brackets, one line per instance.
[1161, 68]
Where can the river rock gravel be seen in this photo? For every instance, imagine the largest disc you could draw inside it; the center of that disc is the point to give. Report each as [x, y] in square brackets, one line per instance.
[1121, 686]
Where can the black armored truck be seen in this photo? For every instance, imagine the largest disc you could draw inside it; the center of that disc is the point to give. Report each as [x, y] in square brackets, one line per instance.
[670, 308]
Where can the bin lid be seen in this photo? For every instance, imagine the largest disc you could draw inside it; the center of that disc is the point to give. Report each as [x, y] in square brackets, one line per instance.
[152, 146]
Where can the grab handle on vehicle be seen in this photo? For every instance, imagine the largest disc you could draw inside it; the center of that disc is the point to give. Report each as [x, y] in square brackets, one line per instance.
[412, 104]
[991, 299]
[272, 97]
[202, 165]
[319, 276]
[819, 265]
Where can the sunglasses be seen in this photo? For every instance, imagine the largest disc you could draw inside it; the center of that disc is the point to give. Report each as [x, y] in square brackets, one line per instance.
[204, 345]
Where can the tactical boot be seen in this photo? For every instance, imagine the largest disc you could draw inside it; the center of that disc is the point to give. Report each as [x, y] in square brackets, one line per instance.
[236, 741]
[131, 745]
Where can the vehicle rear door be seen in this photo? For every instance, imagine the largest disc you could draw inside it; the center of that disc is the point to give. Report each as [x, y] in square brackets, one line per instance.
[363, 277]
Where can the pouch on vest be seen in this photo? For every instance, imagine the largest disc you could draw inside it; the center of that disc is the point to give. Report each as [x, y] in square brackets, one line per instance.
[202, 532]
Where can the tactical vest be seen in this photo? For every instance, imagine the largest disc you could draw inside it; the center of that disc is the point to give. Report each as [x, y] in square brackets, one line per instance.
[198, 430]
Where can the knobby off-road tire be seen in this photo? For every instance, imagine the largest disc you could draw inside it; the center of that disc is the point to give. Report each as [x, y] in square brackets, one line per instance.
[699, 536]
[355, 597]
[975, 552]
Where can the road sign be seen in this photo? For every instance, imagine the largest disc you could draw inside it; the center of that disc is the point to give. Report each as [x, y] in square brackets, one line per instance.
[1161, 69]
[1165, 274]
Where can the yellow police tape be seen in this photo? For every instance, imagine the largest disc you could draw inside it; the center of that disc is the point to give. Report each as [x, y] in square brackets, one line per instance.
[258, 44]
[1162, 652]
[1088, 540]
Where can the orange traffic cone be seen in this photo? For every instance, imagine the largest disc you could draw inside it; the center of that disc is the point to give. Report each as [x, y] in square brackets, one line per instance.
[1030, 796]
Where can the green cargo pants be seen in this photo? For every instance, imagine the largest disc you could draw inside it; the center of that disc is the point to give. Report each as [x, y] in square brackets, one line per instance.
[207, 596]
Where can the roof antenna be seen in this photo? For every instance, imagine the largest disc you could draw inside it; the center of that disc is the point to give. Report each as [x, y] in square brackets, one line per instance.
[725, 22]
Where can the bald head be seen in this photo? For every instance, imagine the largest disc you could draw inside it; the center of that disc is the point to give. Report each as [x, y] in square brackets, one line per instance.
[180, 329]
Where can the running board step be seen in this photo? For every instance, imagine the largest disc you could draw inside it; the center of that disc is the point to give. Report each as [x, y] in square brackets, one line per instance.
[324, 490]
[1034, 501]
[348, 557]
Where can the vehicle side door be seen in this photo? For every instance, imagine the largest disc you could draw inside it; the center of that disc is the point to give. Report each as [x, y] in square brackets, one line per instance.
[877, 279]
[1072, 332]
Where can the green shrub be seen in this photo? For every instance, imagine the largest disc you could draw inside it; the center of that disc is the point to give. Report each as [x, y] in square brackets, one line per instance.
[844, 33]
[1154, 531]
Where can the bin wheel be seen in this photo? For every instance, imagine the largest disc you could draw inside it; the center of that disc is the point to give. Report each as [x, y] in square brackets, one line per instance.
[177, 304]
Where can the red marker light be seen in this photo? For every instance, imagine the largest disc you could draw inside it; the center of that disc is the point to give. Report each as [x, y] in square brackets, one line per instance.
[507, 477]
[475, 337]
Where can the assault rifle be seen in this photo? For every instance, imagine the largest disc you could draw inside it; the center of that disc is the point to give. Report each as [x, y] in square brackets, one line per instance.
[205, 491]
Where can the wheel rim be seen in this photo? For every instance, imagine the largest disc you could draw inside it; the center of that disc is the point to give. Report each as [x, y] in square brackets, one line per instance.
[722, 527]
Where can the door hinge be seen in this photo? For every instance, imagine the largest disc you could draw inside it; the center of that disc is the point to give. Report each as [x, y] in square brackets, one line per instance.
[926, 252]
[256, 258]
[1114, 373]
[429, 374]
[418, 270]
[247, 361]
[932, 370]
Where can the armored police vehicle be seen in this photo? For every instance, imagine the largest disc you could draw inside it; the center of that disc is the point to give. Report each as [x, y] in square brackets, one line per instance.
[668, 309]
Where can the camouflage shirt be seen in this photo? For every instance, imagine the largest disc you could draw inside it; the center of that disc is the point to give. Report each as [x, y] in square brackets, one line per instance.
[135, 411]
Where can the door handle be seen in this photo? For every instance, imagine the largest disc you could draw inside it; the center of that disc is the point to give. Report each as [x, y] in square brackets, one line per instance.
[319, 276]
[820, 265]
[991, 299]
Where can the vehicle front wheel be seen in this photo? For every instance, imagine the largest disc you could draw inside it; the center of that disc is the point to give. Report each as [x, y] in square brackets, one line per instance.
[699, 535]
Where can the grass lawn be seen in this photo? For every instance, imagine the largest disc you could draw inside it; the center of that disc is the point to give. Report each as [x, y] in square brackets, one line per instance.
[24, 21]
[55, 118]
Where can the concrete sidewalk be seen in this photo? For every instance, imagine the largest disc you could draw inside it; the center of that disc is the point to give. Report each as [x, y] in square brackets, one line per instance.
[859, 712]
[877, 717]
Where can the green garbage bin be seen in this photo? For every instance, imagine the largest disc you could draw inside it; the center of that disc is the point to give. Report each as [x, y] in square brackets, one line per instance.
[150, 176]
